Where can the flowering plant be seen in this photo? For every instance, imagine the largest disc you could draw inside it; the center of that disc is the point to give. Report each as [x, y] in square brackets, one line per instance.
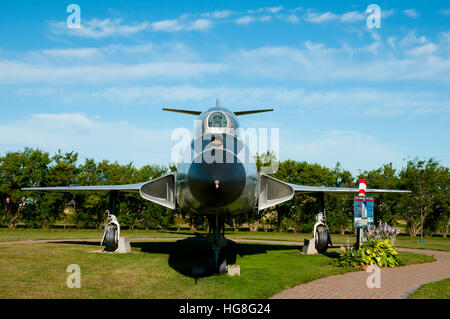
[381, 232]
[376, 248]
[371, 252]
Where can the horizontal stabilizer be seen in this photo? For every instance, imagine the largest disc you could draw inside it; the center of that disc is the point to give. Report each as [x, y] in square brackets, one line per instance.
[252, 111]
[183, 111]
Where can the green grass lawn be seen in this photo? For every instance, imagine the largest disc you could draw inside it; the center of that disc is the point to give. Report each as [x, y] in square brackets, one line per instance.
[432, 243]
[159, 270]
[435, 290]
[59, 233]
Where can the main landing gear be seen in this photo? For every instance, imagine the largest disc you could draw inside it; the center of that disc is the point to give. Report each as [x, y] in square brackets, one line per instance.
[112, 229]
[322, 236]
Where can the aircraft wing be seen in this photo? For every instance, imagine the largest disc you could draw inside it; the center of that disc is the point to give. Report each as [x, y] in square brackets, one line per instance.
[324, 189]
[126, 188]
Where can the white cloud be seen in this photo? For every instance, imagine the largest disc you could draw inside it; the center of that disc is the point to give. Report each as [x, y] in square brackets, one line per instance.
[387, 13]
[265, 18]
[122, 141]
[391, 40]
[128, 49]
[88, 136]
[179, 25]
[350, 148]
[412, 39]
[412, 57]
[353, 16]
[18, 72]
[218, 14]
[201, 24]
[167, 25]
[80, 53]
[245, 20]
[319, 18]
[326, 64]
[274, 9]
[382, 103]
[96, 28]
[149, 51]
[426, 49]
[63, 120]
[445, 12]
[412, 13]
[445, 36]
[292, 18]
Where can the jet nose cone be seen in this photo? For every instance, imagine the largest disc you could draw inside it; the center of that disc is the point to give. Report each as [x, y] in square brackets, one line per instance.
[216, 184]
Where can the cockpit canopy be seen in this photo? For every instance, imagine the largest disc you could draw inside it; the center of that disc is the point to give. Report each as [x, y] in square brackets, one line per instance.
[217, 120]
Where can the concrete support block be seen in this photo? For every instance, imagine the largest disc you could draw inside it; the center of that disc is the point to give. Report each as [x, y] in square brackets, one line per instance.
[309, 247]
[234, 270]
[124, 245]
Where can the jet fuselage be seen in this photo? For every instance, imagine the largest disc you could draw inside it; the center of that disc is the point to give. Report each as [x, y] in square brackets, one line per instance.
[217, 174]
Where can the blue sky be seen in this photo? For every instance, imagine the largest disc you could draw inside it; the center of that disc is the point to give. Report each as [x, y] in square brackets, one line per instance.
[341, 91]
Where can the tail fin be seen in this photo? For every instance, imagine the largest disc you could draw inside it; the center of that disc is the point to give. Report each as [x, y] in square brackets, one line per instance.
[183, 111]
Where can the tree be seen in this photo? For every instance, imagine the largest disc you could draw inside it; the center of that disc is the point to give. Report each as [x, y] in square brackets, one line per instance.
[50, 205]
[20, 169]
[340, 206]
[387, 206]
[441, 207]
[302, 210]
[424, 178]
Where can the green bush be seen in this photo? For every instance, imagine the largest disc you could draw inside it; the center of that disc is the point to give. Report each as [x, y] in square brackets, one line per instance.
[371, 252]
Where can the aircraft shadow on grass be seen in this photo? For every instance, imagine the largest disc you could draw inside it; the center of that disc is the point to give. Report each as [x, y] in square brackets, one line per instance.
[193, 257]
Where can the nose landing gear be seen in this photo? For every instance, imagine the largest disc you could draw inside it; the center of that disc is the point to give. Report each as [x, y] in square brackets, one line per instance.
[218, 240]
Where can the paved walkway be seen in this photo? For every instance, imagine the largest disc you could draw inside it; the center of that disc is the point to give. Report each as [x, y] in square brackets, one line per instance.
[395, 282]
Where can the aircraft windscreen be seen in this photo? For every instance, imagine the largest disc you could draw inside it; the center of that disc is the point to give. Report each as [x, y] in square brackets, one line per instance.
[217, 119]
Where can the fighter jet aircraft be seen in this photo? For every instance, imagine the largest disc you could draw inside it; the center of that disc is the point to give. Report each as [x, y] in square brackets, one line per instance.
[218, 180]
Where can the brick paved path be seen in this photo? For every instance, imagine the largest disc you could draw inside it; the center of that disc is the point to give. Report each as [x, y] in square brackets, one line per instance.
[395, 282]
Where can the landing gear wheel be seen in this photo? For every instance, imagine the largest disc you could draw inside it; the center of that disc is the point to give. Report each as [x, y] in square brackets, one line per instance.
[111, 243]
[321, 239]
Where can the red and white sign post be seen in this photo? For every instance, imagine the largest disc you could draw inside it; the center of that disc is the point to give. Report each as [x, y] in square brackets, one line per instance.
[362, 187]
